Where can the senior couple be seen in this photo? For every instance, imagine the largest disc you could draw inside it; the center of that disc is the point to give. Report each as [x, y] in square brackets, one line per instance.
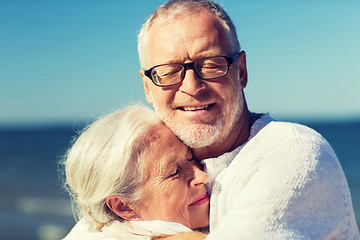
[213, 163]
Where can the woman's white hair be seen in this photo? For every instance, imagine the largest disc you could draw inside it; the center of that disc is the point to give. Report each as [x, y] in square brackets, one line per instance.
[174, 9]
[106, 160]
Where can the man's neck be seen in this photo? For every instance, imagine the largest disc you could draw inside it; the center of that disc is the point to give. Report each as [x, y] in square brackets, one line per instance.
[239, 135]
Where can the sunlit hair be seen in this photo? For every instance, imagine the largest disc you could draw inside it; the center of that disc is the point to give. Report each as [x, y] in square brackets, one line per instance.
[175, 9]
[106, 160]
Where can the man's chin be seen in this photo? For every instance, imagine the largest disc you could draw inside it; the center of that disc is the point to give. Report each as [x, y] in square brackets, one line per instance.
[191, 133]
[199, 136]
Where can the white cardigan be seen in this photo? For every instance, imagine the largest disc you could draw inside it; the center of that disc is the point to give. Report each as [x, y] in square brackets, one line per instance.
[285, 182]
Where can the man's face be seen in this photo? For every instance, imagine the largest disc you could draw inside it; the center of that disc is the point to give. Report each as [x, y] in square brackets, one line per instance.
[200, 112]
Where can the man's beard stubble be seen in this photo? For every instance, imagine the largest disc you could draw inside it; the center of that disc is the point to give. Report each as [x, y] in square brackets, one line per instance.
[199, 135]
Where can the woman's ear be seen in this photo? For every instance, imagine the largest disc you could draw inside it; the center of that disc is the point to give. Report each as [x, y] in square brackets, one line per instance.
[120, 206]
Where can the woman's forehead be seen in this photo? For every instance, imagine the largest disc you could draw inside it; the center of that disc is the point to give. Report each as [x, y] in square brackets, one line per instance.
[165, 151]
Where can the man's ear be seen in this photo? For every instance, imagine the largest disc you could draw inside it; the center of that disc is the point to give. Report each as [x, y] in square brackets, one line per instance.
[242, 69]
[146, 82]
[120, 206]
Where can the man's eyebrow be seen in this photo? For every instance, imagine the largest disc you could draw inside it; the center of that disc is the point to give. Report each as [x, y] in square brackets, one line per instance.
[169, 61]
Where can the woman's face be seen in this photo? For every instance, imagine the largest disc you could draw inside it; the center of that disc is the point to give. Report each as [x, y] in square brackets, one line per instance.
[174, 185]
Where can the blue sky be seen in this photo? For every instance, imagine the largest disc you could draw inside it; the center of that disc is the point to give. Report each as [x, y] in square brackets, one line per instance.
[69, 61]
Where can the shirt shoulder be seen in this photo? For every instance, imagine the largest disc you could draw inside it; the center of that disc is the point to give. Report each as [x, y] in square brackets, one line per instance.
[287, 130]
[80, 231]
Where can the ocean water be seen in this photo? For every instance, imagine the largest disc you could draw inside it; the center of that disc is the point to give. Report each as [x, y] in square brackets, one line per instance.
[34, 206]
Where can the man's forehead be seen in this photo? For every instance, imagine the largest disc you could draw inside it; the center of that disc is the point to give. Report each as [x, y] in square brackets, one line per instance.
[175, 42]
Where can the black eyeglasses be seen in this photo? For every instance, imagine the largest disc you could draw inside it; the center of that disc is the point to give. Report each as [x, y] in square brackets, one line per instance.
[164, 75]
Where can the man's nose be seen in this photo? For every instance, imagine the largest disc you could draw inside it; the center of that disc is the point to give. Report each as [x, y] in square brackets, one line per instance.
[200, 177]
[191, 83]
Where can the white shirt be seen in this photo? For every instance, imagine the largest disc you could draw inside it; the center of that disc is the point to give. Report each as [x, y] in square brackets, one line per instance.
[285, 182]
[127, 230]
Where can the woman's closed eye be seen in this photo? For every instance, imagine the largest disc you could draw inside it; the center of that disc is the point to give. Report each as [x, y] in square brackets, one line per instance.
[174, 173]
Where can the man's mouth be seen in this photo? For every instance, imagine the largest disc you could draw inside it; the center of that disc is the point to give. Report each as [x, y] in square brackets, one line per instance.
[196, 108]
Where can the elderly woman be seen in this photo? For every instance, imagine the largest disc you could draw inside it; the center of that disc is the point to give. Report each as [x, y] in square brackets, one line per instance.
[130, 177]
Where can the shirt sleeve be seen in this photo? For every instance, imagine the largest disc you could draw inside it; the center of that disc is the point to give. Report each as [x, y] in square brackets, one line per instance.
[293, 188]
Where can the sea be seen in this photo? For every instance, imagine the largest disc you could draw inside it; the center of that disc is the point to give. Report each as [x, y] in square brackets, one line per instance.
[35, 206]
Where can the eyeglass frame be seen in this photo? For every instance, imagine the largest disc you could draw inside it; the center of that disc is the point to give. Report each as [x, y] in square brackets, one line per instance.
[191, 65]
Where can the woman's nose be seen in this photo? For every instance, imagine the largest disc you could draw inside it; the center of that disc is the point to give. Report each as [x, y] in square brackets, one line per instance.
[200, 177]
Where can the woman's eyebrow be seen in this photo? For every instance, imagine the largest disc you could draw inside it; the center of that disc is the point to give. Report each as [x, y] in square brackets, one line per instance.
[165, 165]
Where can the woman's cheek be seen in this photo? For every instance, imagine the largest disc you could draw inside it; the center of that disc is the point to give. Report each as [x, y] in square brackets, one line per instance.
[164, 188]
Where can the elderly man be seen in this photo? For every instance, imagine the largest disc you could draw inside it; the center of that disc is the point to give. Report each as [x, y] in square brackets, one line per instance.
[268, 179]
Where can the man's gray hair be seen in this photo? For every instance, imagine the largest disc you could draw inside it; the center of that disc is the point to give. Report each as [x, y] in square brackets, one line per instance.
[169, 12]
